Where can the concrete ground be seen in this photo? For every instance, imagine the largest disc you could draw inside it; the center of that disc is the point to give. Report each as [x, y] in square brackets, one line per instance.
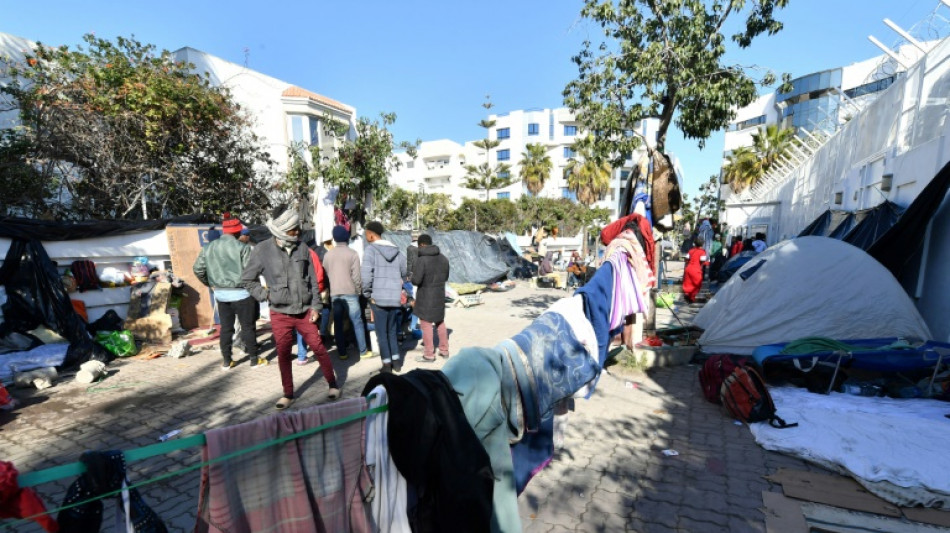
[611, 475]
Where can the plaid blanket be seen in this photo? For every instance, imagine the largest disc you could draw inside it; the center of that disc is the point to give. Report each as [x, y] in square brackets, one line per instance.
[315, 483]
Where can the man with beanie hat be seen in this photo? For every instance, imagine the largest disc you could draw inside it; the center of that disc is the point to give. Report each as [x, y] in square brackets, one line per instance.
[219, 265]
[342, 266]
[382, 273]
[293, 294]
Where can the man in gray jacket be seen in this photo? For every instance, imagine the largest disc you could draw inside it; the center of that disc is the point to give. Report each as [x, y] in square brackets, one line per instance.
[342, 266]
[293, 295]
[382, 273]
[219, 266]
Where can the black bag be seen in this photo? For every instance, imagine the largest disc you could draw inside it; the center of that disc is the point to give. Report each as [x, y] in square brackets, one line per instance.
[546, 283]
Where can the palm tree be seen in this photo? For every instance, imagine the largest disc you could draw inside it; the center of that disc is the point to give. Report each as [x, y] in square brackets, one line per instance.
[536, 167]
[743, 168]
[771, 143]
[588, 178]
[484, 177]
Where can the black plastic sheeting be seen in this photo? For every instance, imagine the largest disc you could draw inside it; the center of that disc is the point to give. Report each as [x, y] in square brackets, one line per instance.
[36, 296]
[844, 227]
[734, 263]
[826, 223]
[874, 224]
[473, 257]
[904, 240]
[44, 230]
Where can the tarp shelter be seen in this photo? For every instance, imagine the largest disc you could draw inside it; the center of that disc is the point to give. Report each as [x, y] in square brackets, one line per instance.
[826, 223]
[861, 228]
[473, 257]
[809, 286]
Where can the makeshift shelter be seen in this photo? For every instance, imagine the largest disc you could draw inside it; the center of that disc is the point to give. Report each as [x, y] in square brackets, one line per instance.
[810, 286]
[826, 223]
[473, 257]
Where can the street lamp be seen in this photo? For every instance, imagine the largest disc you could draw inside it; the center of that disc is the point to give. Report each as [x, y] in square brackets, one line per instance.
[422, 191]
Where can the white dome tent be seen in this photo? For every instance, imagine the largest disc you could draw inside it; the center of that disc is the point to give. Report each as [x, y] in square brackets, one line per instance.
[809, 286]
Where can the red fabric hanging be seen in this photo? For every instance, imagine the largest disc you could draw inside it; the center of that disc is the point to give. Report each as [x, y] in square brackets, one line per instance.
[16, 502]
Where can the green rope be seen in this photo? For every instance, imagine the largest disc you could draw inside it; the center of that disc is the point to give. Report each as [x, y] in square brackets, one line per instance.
[191, 440]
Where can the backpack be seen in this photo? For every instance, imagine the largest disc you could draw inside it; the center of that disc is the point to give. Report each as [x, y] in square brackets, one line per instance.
[86, 277]
[746, 398]
[714, 371]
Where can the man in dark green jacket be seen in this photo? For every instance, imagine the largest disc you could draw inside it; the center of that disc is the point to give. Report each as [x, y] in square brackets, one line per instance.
[219, 266]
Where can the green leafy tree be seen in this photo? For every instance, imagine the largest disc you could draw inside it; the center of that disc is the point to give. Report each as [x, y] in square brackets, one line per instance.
[665, 59]
[588, 176]
[359, 166]
[709, 202]
[434, 211]
[484, 176]
[398, 209]
[139, 133]
[536, 167]
[30, 188]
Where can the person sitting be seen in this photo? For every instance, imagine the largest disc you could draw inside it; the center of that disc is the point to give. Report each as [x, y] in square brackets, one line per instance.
[576, 271]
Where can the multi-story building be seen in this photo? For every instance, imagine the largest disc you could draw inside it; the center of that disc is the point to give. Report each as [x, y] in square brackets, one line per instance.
[818, 102]
[440, 165]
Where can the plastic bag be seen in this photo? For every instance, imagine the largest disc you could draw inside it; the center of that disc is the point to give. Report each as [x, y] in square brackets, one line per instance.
[140, 269]
[120, 343]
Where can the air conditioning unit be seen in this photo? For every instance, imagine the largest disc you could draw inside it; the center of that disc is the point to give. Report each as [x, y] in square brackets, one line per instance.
[887, 181]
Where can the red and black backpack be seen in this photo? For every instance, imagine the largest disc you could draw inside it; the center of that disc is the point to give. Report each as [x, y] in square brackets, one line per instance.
[715, 370]
[746, 398]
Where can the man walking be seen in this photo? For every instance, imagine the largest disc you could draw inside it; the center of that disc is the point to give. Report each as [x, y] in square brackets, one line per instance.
[219, 266]
[342, 267]
[293, 295]
[429, 274]
[382, 273]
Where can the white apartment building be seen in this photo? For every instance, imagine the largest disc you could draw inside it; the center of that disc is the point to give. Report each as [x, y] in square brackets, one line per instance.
[440, 165]
[283, 115]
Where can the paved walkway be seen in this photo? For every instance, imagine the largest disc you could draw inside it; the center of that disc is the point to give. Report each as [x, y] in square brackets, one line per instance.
[611, 474]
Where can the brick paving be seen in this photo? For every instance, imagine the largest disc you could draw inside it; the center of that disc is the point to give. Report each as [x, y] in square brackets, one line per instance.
[611, 474]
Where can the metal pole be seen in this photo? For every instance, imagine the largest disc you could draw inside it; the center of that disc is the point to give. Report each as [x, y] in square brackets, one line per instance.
[888, 51]
[900, 31]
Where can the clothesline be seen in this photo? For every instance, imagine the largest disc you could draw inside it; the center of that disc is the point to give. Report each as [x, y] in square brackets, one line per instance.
[31, 479]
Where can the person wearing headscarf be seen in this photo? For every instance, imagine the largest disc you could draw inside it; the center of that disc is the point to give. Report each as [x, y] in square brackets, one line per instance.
[293, 294]
[696, 260]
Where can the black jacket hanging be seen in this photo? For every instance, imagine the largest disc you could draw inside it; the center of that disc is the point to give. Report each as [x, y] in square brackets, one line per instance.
[105, 472]
[436, 450]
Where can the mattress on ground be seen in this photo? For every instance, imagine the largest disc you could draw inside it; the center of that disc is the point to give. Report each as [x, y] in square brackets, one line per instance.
[873, 354]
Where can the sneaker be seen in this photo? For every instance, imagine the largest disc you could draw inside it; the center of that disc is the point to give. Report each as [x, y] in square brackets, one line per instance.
[343, 356]
[368, 354]
[333, 394]
[387, 368]
[284, 403]
[397, 365]
[424, 359]
[260, 362]
[228, 366]
[301, 362]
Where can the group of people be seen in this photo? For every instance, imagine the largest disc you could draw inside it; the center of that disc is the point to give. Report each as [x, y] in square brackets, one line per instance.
[298, 283]
[711, 256]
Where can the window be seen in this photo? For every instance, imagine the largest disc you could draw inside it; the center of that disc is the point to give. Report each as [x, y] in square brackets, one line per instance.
[410, 164]
[296, 125]
[569, 194]
[570, 131]
[533, 128]
[869, 88]
[504, 175]
[747, 123]
[504, 155]
[503, 195]
[314, 131]
[504, 133]
[569, 152]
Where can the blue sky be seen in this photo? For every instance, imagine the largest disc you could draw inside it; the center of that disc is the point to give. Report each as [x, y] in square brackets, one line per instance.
[433, 62]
